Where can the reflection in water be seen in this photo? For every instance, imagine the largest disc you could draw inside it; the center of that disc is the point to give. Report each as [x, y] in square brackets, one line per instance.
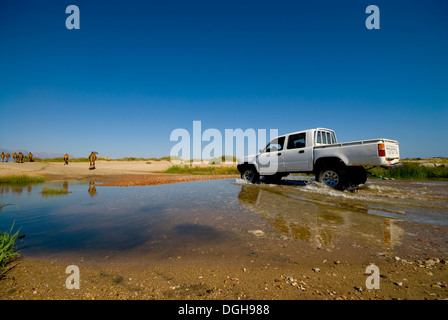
[92, 189]
[317, 222]
[17, 190]
[213, 217]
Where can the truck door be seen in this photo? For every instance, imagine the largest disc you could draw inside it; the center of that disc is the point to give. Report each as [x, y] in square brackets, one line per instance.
[297, 154]
[271, 160]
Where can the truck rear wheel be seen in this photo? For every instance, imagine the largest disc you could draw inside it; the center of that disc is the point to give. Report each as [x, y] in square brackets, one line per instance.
[250, 175]
[333, 177]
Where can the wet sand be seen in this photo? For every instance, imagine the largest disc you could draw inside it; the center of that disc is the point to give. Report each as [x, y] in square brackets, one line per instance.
[263, 267]
[314, 276]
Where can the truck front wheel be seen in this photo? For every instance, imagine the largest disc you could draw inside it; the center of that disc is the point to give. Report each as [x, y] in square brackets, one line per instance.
[333, 177]
[250, 175]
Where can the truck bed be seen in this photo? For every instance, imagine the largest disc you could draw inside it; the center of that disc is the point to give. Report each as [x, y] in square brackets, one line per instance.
[360, 153]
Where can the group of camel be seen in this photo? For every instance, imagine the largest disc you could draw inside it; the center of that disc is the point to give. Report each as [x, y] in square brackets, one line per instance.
[18, 157]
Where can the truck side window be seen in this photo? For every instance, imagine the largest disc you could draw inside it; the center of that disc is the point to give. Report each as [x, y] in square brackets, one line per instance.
[333, 138]
[329, 138]
[297, 141]
[319, 137]
[276, 145]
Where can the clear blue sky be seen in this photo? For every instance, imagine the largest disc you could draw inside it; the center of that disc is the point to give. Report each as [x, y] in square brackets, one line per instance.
[136, 70]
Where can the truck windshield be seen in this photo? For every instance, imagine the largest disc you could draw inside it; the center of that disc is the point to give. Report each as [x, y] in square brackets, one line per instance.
[275, 145]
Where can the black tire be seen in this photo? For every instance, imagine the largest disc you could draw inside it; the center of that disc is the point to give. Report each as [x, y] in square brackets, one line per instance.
[358, 175]
[334, 177]
[250, 175]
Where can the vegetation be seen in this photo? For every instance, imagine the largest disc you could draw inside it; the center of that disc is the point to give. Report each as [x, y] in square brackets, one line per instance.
[412, 170]
[20, 181]
[49, 191]
[7, 250]
[61, 159]
[201, 170]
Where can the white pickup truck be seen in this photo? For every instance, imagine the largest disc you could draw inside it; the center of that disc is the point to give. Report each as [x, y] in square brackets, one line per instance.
[338, 165]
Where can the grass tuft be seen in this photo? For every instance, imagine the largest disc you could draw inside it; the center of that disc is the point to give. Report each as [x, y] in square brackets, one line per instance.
[22, 180]
[411, 170]
[201, 170]
[7, 250]
[49, 191]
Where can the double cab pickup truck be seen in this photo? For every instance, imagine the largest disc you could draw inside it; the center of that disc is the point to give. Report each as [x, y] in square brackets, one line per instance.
[317, 151]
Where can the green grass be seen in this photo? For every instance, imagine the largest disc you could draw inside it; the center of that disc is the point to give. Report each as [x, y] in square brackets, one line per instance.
[22, 180]
[7, 250]
[201, 170]
[50, 191]
[411, 170]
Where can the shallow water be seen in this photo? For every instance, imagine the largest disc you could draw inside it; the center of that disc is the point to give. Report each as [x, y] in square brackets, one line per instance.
[223, 218]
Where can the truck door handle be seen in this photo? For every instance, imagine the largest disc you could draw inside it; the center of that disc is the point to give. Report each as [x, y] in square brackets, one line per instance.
[279, 154]
[301, 151]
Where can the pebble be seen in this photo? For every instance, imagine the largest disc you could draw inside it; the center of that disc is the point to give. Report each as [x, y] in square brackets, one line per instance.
[316, 269]
[398, 283]
[430, 263]
[257, 233]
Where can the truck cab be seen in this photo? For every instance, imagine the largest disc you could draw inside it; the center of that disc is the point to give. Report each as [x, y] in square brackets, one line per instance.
[317, 151]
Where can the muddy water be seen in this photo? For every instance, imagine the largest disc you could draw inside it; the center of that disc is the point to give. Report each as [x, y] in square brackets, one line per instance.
[227, 220]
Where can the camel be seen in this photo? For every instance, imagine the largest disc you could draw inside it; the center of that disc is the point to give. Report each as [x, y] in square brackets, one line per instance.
[92, 158]
[92, 189]
[3, 156]
[30, 157]
[65, 159]
[7, 157]
[19, 157]
[14, 156]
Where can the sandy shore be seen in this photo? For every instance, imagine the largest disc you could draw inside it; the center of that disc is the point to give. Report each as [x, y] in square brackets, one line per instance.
[257, 270]
[108, 173]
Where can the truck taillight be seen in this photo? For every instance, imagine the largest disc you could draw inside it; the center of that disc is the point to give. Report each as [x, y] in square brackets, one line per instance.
[381, 150]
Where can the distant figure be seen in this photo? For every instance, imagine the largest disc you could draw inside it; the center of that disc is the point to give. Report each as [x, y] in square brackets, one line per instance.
[19, 157]
[92, 189]
[92, 158]
[30, 157]
[7, 157]
[14, 156]
[3, 156]
[65, 159]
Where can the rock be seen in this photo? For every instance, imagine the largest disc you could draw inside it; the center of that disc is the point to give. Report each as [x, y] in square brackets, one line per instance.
[316, 269]
[398, 284]
[257, 233]
[358, 288]
[428, 165]
[430, 263]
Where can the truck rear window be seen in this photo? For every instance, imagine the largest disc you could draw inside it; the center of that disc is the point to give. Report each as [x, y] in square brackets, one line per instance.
[325, 137]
